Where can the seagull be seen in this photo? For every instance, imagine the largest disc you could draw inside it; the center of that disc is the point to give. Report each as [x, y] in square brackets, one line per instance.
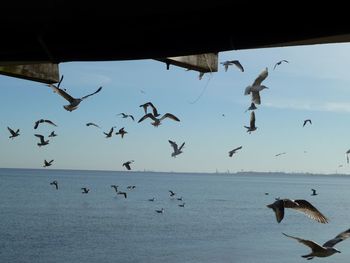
[177, 150]
[130, 187]
[73, 102]
[326, 250]
[299, 205]
[161, 211]
[115, 187]
[280, 154]
[55, 184]
[42, 121]
[252, 123]
[180, 198]
[279, 63]
[151, 199]
[347, 155]
[126, 115]
[306, 121]
[251, 107]
[256, 87]
[157, 122]
[110, 133]
[230, 153]
[85, 190]
[53, 134]
[313, 192]
[127, 164]
[172, 193]
[92, 124]
[149, 104]
[182, 205]
[232, 62]
[122, 193]
[46, 163]
[42, 140]
[13, 133]
[121, 132]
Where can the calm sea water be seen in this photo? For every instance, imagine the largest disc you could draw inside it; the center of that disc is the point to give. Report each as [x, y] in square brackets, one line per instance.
[225, 218]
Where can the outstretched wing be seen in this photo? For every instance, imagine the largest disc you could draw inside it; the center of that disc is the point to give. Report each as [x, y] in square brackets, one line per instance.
[182, 145]
[50, 122]
[61, 93]
[342, 236]
[174, 145]
[252, 119]
[170, 116]
[263, 75]
[308, 209]
[97, 91]
[11, 131]
[41, 137]
[148, 115]
[238, 65]
[311, 244]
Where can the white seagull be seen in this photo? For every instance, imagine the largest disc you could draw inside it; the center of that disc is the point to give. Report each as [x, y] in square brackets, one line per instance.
[230, 153]
[256, 87]
[73, 102]
[326, 250]
[177, 150]
[228, 63]
[157, 121]
[299, 205]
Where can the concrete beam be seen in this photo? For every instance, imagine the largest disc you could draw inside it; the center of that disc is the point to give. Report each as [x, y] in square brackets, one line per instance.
[44, 72]
[201, 62]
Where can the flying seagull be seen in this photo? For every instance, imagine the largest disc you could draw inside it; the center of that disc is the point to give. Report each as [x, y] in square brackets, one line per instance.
[256, 87]
[228, 63]
[127, 164]
[92, 124]
[230, 153]
[110, 133]
[42, 121]
[172, 193]
[279, 154]
[55, 184]
[306, 121]
[46, 163]
[115, 187]
[73, 102]
[326, 250]
[42, 140]
[157, 121]
[313, 192]
[177, 150]
[122, 193]
[13, 133]
[300, 205]
[161, 211]
[150, 104]
[279, 63]
[85, 190]
[252, 123]
[347, 155]
[251, 107]
[53, 134]
[122, 132]
[126, 115]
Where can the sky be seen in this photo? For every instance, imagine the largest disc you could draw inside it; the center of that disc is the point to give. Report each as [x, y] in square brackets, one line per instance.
[315, 85]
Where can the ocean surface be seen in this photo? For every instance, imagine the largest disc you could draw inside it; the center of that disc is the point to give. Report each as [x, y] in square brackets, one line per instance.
[225, 218]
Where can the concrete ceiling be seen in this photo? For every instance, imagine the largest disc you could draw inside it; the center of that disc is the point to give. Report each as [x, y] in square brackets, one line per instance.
[61, 31]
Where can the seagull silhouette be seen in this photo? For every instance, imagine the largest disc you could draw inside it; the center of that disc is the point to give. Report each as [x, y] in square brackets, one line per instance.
[177, 150]
[279, 63]
[52, 134]
[299, 205]
[252, 126]
[122, 132]
[347, 155]
[13, 133]
[182, 205]
[157, 121]
[115, 187]
[161, 211]
[150, 104]
[256, 87]
[172, 193]
[110, 133]
[42, 140]
[126, 116]
[127, 164]
[228, 63]
[326, 250]
[46, 163]
[232, 152]
[73, 102]
[42, 121]
[122, 193]
[85, 190]
[92, 124]
[306, 121]
[55, 184]
[313, 192]
[279, 154]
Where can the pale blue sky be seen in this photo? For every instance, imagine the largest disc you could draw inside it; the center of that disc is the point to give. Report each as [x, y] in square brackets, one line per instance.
[315, 84]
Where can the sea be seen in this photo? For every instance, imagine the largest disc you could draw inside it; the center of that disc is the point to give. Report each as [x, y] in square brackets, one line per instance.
[224, 219]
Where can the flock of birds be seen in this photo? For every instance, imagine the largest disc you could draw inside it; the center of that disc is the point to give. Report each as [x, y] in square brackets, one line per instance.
[325, 250]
